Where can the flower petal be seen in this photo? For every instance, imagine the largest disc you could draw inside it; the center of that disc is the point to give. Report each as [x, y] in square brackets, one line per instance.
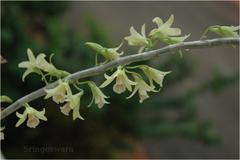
[143, 30]
[27, 72]
[22, 118]
[24, 64]
[40, 114]
[109, 79]
[174, 32]
[30, 54]
[158, 21]
[169, 22]
[76, 113]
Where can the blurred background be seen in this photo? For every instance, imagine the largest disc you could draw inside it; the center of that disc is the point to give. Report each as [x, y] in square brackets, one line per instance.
[196, 114]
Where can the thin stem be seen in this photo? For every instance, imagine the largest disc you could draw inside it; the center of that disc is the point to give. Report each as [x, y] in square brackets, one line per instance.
[78, 88]
[208, 43]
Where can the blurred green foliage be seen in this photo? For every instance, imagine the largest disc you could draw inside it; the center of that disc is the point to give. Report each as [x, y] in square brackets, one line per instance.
[37, 25]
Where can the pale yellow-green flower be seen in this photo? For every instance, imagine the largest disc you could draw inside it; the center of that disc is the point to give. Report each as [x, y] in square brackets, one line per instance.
[39, 64]
[98, 95]
[223, 31]
[73, 103]
[5, 99]
[136, 39]
[49, 67]
[122, 81]
[1, 133]
[154, 75]
[107, 53]
[30, 65]
[58, 93]
[164, 30]
[33, 117]
[142, 88]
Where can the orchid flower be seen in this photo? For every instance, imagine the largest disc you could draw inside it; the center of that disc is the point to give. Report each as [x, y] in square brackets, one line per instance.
[98, 95]
[30, 65]
[39, 64]
[58, 93]
[154, 75]
[49, 67]
[73, 103]
[33, 117]
[122, 81]
[136, 39]
[142, 88]
[164, 30]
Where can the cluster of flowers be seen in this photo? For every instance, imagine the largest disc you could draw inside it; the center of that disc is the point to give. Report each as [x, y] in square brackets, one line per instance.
[125, 79]
[164, 33]
[62, 93]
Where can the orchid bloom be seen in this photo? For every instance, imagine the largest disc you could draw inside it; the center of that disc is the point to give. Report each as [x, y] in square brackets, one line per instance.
[73, 103]
[58, 93]
[136, 39]
[122, 81]
[49, 67]
[33, 117]
[30, 65]
[36, 64]
[164, 29]
[107, 53]
[142, 87]
[154, 75]
[98, 95]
